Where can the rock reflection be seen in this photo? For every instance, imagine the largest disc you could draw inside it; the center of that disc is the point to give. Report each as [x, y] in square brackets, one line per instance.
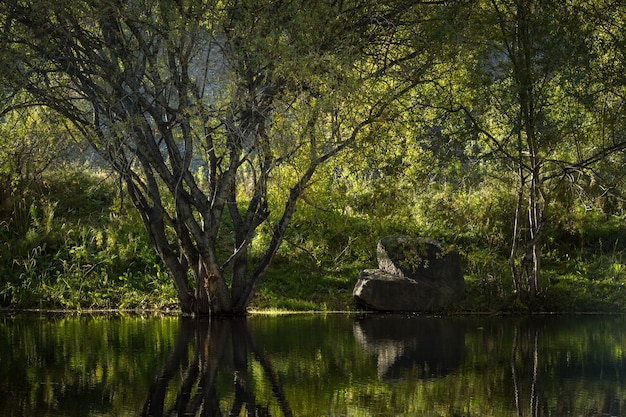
[201, 352]
[426, 346]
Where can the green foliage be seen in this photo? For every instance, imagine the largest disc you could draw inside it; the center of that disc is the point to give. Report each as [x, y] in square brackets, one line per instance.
[341, 218]
[78, 247]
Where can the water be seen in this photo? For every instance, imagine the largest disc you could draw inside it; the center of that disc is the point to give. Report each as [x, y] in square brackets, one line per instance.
[312, 365]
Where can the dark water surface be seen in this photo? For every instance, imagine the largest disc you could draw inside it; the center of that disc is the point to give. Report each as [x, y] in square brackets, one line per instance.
[312, 365]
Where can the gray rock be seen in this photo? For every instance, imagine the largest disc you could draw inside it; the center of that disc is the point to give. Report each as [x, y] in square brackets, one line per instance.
[415, 274]
[420, 259]
[382, 291]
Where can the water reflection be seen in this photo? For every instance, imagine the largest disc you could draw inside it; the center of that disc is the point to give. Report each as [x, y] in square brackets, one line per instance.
[200, 352]
[424, 347]
[558, 365]
[334, 365]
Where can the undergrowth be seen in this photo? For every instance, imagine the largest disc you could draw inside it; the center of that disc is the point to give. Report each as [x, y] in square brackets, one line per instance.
[73, 242]
[77, 245]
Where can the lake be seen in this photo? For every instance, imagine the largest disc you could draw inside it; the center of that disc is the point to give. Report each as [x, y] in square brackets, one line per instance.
[312, 365]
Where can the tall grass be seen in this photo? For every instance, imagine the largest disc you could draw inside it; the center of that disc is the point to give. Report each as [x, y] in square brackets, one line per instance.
[78, 245]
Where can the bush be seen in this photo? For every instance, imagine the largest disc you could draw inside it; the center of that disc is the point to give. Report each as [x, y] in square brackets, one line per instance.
[79, 246]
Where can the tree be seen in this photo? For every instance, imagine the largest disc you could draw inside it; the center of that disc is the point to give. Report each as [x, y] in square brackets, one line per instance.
[604, 96]
[520, 87]
[203, 107]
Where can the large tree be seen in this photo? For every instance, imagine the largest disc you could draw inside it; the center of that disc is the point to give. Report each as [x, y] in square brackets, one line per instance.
[202, 106]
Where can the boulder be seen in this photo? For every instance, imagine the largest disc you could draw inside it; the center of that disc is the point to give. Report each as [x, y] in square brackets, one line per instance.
[421, 259]
[382, 291]
[415, 274]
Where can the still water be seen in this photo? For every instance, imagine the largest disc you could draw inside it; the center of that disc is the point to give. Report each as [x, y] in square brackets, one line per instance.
[312, 365]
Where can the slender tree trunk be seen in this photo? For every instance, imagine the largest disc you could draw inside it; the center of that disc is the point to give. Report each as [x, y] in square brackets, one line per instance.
[526, 275]
[277, 235]
[535, 226]
[515, 269]
[154, 224]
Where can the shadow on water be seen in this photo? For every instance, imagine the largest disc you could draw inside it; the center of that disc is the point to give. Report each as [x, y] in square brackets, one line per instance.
[200, 352]
[429, 347]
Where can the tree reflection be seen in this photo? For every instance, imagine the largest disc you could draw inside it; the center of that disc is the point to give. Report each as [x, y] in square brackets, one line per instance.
[568, 366]
[190, 373]
[324, 365]
[525, 354]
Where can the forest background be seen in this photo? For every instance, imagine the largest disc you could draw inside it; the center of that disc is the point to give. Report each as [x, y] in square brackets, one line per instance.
[497, 127]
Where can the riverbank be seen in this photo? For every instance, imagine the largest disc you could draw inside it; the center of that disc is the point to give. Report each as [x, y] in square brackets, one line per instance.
[283, 290]
[563, 294]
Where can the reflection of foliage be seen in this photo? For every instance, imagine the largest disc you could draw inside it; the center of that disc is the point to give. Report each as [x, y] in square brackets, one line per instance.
[79, 366]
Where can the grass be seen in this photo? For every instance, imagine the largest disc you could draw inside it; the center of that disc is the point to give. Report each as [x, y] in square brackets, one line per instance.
[285, 288]
[288, 288]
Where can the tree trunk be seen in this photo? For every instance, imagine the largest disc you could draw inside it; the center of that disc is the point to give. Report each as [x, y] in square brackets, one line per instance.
[212, 287]
[536, 228]
[517, 232]
[527, 275]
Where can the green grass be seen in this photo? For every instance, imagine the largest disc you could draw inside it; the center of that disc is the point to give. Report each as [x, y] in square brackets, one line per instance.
[295, 287]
